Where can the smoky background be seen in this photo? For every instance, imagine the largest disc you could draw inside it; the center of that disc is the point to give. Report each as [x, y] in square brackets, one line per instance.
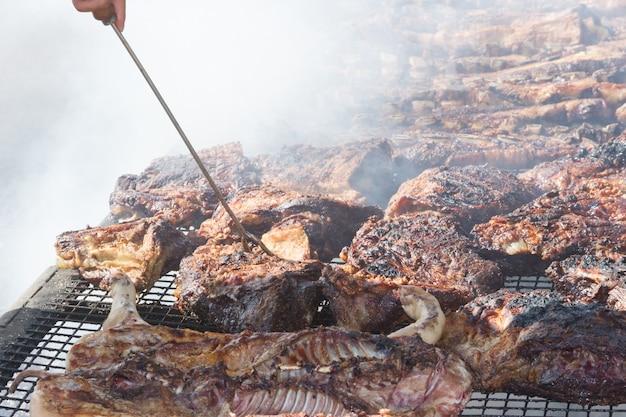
[75, 113]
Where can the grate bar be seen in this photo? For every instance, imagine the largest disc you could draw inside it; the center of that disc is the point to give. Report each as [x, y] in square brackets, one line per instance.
[41, 332]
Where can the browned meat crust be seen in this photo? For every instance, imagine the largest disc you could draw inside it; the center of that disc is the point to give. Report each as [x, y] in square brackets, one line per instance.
[471, 194]
[328, 371]
[536, 344]
[434, 149]
[132, 368]
[294, 226]
[144, 249]
[607, 159]
[424, 249]
[175, 187]
[587, 218]
[359, 171]
[235, 290]
[590, 278]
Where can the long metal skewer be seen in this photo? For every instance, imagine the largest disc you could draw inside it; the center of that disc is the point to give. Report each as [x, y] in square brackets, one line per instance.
[244, 234]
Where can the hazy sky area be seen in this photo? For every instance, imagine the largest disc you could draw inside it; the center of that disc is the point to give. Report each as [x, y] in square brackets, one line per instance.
[76, 114]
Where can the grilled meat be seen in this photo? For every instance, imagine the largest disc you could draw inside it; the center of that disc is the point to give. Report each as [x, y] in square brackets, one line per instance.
[536, 344]
[144, 249]
[431, 150]
[607, 159]
[587, 218]
[590, 278]
[520, 75]
[359, 171]
[471, 194]
[132, 368]
[423, 249]
[292, 225]
[175, 187]
[235, 290]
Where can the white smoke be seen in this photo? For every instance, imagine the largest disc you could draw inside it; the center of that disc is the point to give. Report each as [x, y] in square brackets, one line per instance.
[76, 113]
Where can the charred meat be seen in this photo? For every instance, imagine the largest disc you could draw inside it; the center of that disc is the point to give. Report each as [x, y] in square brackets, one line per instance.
[175, 187]
[471, 194]
[607, 159]
[537, 344]
[359, 171]
[144, 249]
[587, 218]
[292, 225]
[235, 289]
[132, 368]
[591, 278]
[424, 249]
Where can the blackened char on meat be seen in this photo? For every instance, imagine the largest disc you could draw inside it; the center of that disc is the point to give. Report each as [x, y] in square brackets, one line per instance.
[607, 159]
[591, 278]
[537, 344]
[175, 187]
[132, 368]
[432, 150]
[472, 194]
[292, 225]
[587, 218]
[358, 171]
[235, 289]
[424, 249]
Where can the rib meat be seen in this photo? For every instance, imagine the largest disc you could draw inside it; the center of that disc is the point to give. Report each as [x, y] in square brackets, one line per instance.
[423, 249]
[431, 150]
[536, 344]
[607, 159]
[235, 290]
[132, 368]
[144, 249]
[175, 187]
[587, 218]
[471, 194]
[358, 171]
[292, 225]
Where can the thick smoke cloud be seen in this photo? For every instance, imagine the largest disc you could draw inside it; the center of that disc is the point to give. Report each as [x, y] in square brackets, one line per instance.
[75, 113]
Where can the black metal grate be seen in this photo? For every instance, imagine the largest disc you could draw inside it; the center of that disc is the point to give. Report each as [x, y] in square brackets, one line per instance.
[78, 308]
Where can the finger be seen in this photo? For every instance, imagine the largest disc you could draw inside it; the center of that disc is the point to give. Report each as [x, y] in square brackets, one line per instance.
[90, 5]
[120, 13]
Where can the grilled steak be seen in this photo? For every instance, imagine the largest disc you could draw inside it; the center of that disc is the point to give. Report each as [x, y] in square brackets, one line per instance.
[431, 150]
[471, 194]
[536, 344]
[359, 171]
[132, 368]
[294, 226]
[235, 290]
[144, 249]
[423, 249]
[175, 187]
[587, 218]
[607, 159]
[590, 278]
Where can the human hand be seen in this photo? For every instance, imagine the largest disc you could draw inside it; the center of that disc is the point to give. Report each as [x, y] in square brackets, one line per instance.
[103, 9]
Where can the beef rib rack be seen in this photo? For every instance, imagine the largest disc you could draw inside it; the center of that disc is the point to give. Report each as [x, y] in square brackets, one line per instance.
[132, 368]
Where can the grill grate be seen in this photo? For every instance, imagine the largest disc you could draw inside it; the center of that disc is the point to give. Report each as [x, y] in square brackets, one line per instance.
[78, 308]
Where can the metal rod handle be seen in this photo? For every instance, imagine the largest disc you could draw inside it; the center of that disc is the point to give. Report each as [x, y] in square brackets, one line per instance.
[244, 234]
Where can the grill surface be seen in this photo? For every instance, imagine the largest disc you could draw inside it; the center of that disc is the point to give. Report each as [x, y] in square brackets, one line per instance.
[39, 334]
